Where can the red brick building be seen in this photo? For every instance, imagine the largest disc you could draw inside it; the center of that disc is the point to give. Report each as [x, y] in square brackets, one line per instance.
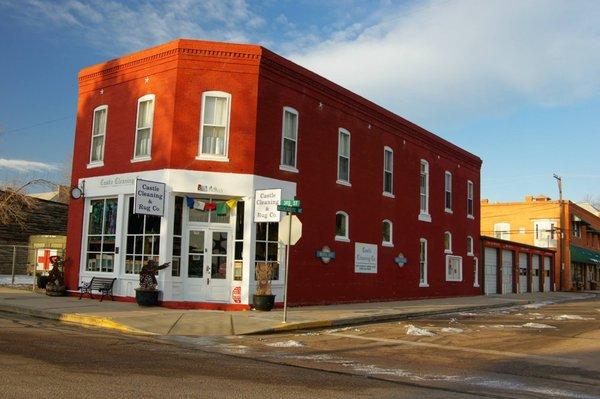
[215, 122]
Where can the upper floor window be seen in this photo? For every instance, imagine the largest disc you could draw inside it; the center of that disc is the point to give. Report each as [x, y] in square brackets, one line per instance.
[341, 226]
[448, 242]
[289, 140]
[423, 263]
[448, 191]
[470, 199]
[502, 231]
[388, 171]
[424, 191]
[470, 245]
[343, 175]
[453, 268]
[576, 227]
[143, 131]
[214, 126]
[98, 135]
[387, 234]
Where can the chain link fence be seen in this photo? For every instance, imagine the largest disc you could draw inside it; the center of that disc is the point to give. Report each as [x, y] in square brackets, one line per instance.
[18, 261]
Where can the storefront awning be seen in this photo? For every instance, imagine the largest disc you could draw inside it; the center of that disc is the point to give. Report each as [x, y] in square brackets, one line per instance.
[583, 255]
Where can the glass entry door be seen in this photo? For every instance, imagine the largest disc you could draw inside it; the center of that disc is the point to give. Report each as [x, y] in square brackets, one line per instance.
[208, 264]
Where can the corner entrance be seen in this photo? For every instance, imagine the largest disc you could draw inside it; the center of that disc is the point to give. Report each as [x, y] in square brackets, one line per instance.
[207, 264]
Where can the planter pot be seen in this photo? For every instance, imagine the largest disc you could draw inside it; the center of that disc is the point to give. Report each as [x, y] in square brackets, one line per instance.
[146, 297]
[263, 302]
[55, 290]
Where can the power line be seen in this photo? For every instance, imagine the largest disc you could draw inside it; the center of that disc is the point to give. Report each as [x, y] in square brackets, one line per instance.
[37, 124]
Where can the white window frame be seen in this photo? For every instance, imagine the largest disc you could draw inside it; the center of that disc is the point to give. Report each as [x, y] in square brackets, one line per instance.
[424, 213]
[448, 191]
[211, 157]
[342, 131]
[448, 278]
[344, 238]
[504, 229]
[147, 157]
[423, 254]
[389, 243]
[100, 162]
[475, 272]
[282, 166]
[470, 246]
[389, 193]
[470, 196]
[449, 249]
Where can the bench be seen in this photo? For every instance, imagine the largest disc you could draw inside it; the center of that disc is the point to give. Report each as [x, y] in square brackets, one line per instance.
[103, 285]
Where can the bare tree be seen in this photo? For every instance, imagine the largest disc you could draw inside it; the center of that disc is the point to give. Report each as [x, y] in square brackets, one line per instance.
[15, 203]
[593, 200]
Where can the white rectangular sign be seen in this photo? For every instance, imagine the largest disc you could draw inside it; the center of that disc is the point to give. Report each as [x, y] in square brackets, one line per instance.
[149, 198]
[365, 258]
[265, 205]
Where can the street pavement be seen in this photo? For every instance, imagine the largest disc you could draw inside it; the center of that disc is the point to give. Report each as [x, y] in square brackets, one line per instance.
[128, 317]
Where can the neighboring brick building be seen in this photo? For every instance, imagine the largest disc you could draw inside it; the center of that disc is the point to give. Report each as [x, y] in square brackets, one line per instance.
[44, 218]
[215, 122]
[537, 221]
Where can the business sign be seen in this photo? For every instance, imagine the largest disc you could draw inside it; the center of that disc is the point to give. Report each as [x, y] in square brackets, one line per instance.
[149, 198]
[265, 205]
[365, 258]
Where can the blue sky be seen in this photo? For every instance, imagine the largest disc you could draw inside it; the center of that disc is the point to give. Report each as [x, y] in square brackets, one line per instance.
[515, 82]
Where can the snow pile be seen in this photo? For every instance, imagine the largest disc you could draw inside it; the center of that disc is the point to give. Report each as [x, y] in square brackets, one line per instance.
[6, 279]
[537, 305]
[571, 317]
[452, 330]
[286, 344]
[537, 325]
[467, 314]
[412, 330]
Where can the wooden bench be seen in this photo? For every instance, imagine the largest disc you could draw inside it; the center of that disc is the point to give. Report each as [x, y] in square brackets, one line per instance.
[103, 285]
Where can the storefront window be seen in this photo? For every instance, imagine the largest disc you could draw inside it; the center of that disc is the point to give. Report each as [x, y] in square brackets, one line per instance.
[177, 222]
[267, 246]
[102, 226]
[208, 210]
[143, 240]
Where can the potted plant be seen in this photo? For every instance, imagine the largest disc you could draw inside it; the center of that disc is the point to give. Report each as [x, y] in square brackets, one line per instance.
[56, 278]
[147, 293]
[263, 299]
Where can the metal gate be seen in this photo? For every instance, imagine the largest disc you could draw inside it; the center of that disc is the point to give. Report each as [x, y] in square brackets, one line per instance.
[535, 278]
[490, 270]
[547, 261]
[507, 272]
[523, 272]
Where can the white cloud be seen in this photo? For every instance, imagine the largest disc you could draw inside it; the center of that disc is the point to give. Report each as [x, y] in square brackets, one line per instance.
[444, 59]
[23, 166]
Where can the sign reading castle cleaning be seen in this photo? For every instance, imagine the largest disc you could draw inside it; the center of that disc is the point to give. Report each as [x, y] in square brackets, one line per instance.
[365, 258]
[149, 198]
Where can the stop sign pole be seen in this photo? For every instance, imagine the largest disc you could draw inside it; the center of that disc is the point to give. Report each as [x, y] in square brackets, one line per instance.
[290, 207]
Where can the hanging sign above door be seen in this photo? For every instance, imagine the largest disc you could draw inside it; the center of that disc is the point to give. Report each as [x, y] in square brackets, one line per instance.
[149, 198]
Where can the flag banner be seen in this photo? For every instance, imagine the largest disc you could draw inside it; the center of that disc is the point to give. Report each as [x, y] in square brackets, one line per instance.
[199, 205]
[231, 203]
[222, 209]
[190, 202]
[210, 206]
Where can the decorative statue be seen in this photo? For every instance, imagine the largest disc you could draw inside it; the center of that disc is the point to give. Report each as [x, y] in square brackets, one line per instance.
[56, 277]
[148, 275]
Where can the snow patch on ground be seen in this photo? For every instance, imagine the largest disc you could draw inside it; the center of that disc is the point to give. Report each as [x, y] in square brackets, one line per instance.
[286, 344]
[537, 325]
[6, 279]
[452, 330]
[334, 330]
[412, 330]
[239, 349]
[571, 317]
[467, 314]
[537, 305]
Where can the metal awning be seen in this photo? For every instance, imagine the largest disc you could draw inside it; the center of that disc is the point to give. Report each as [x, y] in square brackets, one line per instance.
[584, 255]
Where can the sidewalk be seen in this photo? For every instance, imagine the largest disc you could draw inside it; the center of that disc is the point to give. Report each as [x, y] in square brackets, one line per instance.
[129, 317]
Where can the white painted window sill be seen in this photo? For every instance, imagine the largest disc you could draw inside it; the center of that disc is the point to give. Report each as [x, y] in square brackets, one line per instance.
[471, 217]
[212, 158]
[342, 239]
[387, 244]
[92, 165]
[423, 285]
[141, 159]
[447, 210]
[470, 254]
[453, 281]
[288, 168]
[389, 195]
[344, 183]
[448, 251]
[476, 285]
[425, 217]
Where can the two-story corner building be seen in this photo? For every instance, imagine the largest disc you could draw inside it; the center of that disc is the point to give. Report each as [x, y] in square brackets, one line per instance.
[537, 221]
[215, 122]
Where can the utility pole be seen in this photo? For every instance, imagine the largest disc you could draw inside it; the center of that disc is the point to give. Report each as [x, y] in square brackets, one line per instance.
[562, 230]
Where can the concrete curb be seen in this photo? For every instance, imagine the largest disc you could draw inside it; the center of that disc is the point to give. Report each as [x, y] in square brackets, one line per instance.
[353, 321]
[75, 318]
